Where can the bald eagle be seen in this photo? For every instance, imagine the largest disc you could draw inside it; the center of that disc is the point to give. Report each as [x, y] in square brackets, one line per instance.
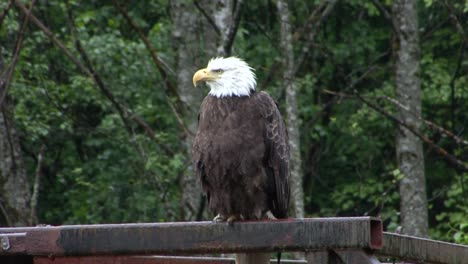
[240, 152]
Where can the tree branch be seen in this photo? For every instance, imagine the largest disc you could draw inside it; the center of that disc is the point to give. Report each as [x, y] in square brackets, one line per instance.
[5, 215]
[208, 17]
[35, 194]
[461, 32]
[441, 151]
[272, 71]
[8, 73]
[159, 66]
[367, 71]
[428, 33]
[51, 36]
[232, 30]
[455, 21]
[382, 10]
[313, 32]
[179, 119]
[123, 112]
[369, 67]
[5, 11]
[308, 24]
[394, 102]
[453, 98]
[9, 139]
[385, 13]
[428, 123]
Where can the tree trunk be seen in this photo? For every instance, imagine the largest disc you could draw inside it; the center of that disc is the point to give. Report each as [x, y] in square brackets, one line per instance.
[198, 36]
[184, 33]
[409, 149]
[15, 191]
[223, 19]
[291, 108]
[226, 18]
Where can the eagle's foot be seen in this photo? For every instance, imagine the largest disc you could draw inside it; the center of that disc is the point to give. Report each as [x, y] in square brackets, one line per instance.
[269, 215]
[232, 218]
[219, 218]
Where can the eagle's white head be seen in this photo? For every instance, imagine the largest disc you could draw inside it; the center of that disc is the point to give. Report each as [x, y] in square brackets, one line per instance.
[227, 77]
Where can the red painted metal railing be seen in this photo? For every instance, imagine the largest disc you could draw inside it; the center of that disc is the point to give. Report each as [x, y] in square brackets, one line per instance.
[325, 240]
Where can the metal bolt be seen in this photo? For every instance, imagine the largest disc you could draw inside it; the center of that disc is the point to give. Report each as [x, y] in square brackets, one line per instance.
[5, 243]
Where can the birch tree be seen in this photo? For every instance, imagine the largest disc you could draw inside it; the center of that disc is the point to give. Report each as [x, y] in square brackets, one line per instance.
[409, 149]
[15, 191]
[226, 17]
[198, 36]
[184, 34]
[15, 194]
[287, 53]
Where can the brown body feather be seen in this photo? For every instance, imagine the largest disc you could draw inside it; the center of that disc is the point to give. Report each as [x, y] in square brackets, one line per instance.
[241, 156]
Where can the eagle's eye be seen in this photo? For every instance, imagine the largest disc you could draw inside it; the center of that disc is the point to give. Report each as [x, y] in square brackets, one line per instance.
[218, 71]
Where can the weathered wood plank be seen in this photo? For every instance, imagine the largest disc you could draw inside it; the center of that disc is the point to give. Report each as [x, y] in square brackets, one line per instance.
[200, 237]
[422, 250]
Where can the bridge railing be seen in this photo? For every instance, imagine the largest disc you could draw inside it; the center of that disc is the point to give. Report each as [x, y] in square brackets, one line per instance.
[325, 240]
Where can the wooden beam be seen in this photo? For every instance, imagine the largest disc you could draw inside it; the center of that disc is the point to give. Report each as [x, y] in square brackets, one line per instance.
[422, 250]
[198, 237]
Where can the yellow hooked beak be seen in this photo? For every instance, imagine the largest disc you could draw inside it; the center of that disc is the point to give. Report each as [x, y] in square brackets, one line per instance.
[203, 75]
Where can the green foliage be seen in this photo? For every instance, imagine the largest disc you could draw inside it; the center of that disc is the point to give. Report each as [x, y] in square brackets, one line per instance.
[453, 226]
[95, 171]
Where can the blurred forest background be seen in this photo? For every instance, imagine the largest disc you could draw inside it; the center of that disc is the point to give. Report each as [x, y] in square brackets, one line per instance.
[98, 109]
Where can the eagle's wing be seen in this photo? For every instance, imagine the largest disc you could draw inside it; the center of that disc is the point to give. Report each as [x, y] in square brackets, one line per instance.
[197, 151]
[277, 157]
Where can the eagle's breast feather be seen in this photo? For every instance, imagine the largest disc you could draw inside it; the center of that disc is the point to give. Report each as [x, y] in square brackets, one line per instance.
[241, 156]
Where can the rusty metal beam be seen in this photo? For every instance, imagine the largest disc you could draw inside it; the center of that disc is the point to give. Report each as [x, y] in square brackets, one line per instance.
[341, 257]
[16, 259]
[323, 257]
[145, 260]
[12, 242]
[422, 250]
[356, 257]
[198, 237]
